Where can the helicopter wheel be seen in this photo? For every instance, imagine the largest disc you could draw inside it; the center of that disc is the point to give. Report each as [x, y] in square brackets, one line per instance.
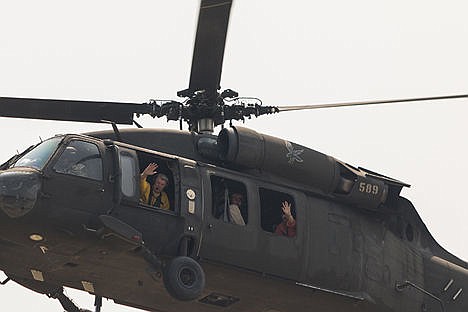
[184, 278]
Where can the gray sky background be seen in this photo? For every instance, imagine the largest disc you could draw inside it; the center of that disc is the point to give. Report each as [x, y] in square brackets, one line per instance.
[284, 52]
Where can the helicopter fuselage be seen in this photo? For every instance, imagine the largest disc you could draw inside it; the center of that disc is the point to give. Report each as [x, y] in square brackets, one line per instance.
[358, 245]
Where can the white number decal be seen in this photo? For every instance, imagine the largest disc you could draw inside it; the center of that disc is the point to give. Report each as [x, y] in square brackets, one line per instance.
[368, 188]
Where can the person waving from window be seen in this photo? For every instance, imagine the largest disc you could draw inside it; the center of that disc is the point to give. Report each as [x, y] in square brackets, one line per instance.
[288, 226]
[155, 195]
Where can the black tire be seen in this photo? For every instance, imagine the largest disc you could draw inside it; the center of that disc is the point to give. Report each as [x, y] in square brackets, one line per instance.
[184, 278]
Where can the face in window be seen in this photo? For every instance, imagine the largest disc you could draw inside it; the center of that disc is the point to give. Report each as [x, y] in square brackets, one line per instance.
[160, 183]
[236, 199]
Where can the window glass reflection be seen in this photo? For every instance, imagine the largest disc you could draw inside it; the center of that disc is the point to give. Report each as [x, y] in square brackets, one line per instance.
[80, 159]
[128, 168]
[38, 156]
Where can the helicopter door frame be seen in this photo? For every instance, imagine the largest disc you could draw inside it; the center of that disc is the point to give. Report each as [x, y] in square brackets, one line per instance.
[284, 256]
[170, 167]
[225, 242]
[78, 192]
[161, 229]
[191, 206]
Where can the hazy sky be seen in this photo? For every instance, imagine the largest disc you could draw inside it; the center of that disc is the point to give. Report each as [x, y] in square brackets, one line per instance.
[284, 52]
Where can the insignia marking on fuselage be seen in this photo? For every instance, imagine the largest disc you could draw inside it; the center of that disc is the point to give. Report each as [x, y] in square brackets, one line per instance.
[293, 155]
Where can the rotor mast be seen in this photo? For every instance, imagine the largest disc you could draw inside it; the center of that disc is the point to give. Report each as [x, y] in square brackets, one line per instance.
[207, 63]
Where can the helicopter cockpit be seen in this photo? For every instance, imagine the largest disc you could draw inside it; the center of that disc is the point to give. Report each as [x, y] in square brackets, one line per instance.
[82, 175]
[69, 182]
[36, 156]
[21, 179]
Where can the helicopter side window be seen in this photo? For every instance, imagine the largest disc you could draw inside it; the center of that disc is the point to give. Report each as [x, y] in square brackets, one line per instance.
[156, 182]
[229, 200]
[81, 159]
[278, 212]
[128, 168]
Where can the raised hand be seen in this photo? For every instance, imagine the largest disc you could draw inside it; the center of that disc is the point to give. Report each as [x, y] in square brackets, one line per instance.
[149, 170]
[286, 207]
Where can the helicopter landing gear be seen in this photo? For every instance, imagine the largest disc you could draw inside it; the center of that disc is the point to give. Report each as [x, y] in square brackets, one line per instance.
[69, 305]
[184, 278]
[66, 302]
[98, 303]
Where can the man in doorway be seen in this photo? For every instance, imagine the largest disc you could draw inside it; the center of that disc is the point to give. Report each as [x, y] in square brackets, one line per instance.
[155, 195]
[235, 215]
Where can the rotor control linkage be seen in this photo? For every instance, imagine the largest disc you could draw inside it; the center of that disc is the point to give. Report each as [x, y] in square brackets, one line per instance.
[205, 105]
[239, 111]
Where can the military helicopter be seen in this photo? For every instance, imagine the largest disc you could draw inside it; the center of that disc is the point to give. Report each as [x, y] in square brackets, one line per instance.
[115, 230]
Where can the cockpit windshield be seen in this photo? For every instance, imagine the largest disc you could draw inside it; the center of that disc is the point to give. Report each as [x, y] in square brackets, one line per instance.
[39, 155]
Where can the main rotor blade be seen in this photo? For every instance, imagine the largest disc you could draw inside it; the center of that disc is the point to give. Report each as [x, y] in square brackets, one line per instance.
[69, 110]
[210, 40]
[301, 107]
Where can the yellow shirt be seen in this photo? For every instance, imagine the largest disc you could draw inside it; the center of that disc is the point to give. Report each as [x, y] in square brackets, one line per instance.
[145, 190]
